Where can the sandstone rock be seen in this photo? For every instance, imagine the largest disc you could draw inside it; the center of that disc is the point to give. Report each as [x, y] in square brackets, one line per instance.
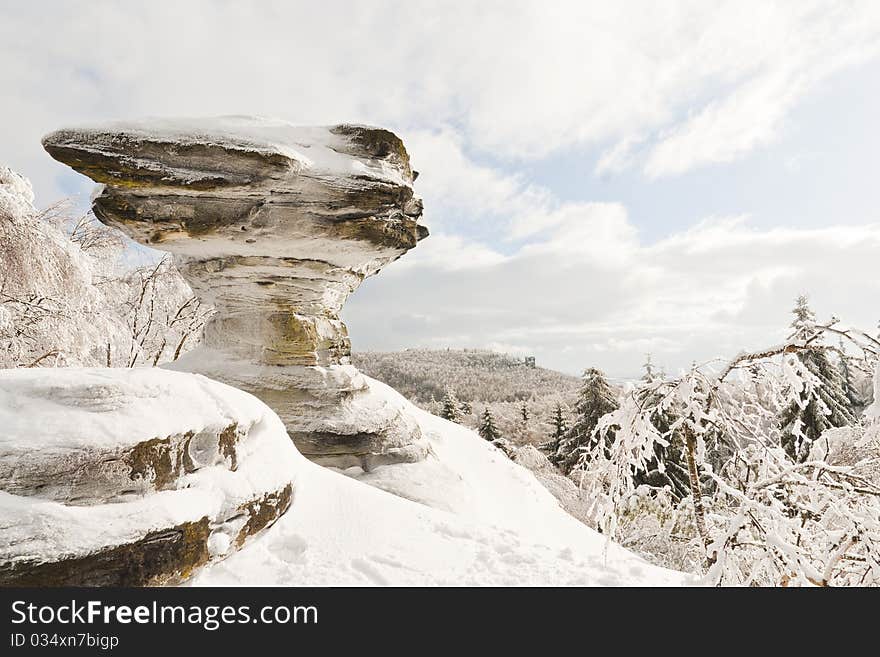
[131, 477]
[276, 226]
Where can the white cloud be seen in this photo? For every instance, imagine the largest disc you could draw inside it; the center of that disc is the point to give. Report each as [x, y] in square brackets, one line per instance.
[699, 82]
[664, 88]
[451, 253]
[814, 45]
[706, 292]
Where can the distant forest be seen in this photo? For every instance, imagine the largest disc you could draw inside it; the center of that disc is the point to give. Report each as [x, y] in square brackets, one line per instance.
[521, 398]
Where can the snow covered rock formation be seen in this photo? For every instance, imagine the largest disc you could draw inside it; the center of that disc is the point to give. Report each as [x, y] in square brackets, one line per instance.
[276, 225]
[129, 477]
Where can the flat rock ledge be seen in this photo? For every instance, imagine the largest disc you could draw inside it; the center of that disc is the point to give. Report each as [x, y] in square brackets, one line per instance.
[132, 477]
[276, 225]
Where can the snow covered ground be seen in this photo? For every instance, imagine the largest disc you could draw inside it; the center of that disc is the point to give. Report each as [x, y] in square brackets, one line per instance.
[466, 515]
[470, 517]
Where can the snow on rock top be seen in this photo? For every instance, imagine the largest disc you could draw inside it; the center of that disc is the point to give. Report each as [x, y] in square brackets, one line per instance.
[323, 151]
[85, 408]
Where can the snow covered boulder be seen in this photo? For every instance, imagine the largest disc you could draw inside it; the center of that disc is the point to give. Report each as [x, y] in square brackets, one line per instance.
[132, 476]
[275, 225]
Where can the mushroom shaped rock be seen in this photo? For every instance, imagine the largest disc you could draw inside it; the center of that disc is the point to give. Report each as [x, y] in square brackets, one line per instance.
[275, 225]
[130, 477]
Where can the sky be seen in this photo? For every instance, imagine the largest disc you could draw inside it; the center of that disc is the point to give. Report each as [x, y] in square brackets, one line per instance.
[601, 180]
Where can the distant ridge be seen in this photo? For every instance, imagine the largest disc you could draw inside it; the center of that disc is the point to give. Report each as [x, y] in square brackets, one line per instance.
[475, 375]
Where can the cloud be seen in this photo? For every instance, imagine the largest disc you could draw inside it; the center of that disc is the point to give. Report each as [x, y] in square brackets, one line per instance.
[665, 86]
[706, 292]
[451, 253]
[481, 91]
[814, 46]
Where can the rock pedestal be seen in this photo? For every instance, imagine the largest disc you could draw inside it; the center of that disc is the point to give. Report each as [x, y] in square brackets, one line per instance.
[276, 226]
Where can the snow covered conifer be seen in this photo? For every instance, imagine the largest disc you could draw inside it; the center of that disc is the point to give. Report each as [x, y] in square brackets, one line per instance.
[450, 408]
[559, 427]
[488, 430]
[820, 401]
[524, 414]
[649, 374]
[668, 467]
[849, 386]
[595, 399]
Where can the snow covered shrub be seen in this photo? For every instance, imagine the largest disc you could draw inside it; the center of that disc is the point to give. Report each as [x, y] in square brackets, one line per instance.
[762, 512]
[69, 295]
[162, 316]
[653, 524]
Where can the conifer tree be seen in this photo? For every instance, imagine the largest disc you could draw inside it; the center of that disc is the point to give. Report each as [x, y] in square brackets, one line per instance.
[559, 427]
[488, 430]
[668, 467]
[450, 409]
[649, 374]
[822, 402]
[595, 399]
[524, 414]
[849, 387]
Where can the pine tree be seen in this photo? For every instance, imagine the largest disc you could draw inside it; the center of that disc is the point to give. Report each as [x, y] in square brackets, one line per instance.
[488, 430]
[450, 409]
[849, 387]
[649, 374]
[524, 415]
[559, 426]
[822, 402]
[595, 399]
[668, 467]
[466, 408]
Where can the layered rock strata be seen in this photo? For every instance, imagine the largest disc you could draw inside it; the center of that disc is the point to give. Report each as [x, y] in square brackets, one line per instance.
[132, 477]
[276, 226]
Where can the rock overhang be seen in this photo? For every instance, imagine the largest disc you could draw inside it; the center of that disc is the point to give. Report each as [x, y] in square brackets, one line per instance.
[173, 183]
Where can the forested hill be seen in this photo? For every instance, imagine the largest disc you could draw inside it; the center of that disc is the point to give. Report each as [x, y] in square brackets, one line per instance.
[475, 375]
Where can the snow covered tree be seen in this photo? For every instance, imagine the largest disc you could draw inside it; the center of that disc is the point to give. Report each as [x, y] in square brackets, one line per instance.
[668, 467]
[163, 316]
[595, 399]
[450, 408]
[855, 397]
[821, 401]
[488, 430]
[524, 415]
[762, 519]
[70, 295]
[466, 408]
[559, 427]
[649, 374]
